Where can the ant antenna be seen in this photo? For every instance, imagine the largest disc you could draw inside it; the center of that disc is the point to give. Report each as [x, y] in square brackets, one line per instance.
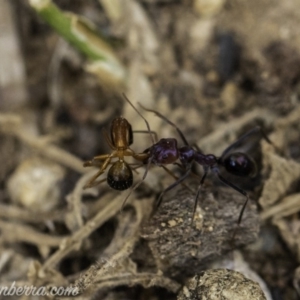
[147, 124]
[168, 121]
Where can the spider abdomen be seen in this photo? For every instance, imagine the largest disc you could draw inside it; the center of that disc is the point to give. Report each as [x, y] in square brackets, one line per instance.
[119, 176]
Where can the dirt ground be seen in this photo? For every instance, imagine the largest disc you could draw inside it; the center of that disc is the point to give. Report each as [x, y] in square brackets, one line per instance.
[217, 69]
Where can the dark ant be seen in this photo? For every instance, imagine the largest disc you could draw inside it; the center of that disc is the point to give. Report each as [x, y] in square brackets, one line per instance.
[166, 151]
[119, 176]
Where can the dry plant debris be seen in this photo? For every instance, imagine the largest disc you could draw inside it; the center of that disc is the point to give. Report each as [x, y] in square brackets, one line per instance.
[283, 174]
[280, 197]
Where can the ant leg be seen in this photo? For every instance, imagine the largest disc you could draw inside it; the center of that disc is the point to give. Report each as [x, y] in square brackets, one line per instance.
[147, 124]
[108, 141]
[197, 147]
[197, 195]
[92, 180]
[169, 122]
[178, 181]
[244, 193]
[182, 167]
[146, 131]
[92, 163]
[240, 216]
[98, 164]
[95, 161]
[133, 188]
[231, 185]
[137, 167]
[94, 183]
[265, 137]
[88, 163]
[176, 178]
[246, 135]
[138, 156]
[104, 156]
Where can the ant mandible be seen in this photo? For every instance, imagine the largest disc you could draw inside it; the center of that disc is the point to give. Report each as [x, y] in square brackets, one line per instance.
[166, 151]
[119, 176]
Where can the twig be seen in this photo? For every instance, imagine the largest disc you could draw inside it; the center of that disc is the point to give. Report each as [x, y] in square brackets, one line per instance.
[21, 214]
[12, 70]
[12, 125]
[5, 257]
[287, 206]
[287, 170]
[50, 151]
[215, 140]
[74, 216]
[145, 279]
[101, 217]
[9, 120]
[126, 230]
[106, 267]
[21, 233]
[119, 262]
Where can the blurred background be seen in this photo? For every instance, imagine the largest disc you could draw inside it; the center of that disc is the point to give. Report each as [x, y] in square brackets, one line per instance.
[216, 68]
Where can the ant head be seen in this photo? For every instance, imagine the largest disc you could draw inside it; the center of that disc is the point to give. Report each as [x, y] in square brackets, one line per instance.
[240, 164]
[119, 176]
[165, 151]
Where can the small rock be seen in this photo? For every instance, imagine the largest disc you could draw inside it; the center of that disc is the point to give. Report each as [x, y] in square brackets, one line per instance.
[217, 284]
[34, 184]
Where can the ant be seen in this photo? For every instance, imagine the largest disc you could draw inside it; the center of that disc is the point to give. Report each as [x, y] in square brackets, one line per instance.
[119, 176]
[166, 151]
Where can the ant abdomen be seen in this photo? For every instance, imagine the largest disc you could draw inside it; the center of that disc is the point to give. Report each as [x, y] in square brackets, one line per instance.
[240, 164]
[119, 176]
